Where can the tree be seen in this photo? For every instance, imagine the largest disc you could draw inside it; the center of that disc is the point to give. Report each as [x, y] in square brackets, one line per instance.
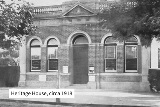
[133, 17]
[16, 21]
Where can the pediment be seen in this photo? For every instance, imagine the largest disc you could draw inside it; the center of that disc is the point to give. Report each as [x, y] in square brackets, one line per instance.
[78, 10]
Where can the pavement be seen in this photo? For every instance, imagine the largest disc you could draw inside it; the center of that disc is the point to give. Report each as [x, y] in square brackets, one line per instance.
[96, 98]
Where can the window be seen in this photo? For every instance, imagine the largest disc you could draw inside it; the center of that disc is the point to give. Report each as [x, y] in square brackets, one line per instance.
[35, 55]
[110, 54]
[158, 57]
[131, 55]
[52, 55]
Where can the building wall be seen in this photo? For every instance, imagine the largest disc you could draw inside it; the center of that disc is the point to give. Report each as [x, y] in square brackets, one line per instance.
[99, 79]
[154, 53]
[65, 31]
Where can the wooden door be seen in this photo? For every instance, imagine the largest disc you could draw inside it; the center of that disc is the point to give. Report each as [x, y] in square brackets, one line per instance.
[80, 64]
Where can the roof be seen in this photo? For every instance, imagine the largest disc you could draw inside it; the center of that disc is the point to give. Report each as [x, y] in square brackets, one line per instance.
[79, 8]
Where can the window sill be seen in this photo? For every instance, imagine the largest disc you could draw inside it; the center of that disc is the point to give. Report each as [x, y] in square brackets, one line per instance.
[52, 70]
[155, 68]
[42, 73]
[113, 73]
[110, 71]
[35, 71]
[131, 71]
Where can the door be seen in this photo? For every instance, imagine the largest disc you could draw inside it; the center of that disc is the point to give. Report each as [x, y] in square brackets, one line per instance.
[80, 63]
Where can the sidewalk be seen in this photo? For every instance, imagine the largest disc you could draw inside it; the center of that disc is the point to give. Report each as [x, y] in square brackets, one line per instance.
[100, 97]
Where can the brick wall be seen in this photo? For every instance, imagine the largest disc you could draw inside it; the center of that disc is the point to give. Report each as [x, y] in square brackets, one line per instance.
[95, 55]
[120, 58]
[63, 57]
[44, 59]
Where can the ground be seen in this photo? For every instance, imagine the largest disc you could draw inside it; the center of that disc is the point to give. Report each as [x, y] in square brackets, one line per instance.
[86, 98]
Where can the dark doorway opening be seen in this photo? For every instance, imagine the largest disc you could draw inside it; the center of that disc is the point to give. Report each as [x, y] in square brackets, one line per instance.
[80, 60]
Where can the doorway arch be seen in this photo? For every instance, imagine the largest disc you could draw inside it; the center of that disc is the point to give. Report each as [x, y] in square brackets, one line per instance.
[75, 34]
[79, 44]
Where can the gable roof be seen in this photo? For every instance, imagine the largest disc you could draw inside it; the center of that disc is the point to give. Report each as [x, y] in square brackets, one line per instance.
[78, 10]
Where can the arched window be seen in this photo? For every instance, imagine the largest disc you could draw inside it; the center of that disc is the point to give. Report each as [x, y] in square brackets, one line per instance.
[110, 54]
[35, 55]
[52, 48]
[131, 54]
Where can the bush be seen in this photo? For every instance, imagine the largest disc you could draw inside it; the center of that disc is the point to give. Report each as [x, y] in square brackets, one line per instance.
[154, 80]
[9, 76]
[9, 69]
[7, 62]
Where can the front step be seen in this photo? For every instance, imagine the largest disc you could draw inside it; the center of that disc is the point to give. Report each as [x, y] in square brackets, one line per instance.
[78, 86]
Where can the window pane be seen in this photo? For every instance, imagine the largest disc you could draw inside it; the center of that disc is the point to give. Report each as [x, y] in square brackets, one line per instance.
[131, 57]
[110, 40]
[52, 42]
[158, 58]
[36, 65]
[35, 53]
[110, 52]
[110, 64]
[131, 64]
[35, 42]
[132, 39]
[131, 52]
[53, 64]
[52, 52]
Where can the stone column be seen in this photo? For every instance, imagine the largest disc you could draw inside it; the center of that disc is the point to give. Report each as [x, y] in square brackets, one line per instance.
[43, 59]
[120, 58]
[22, 62]
[145, 67]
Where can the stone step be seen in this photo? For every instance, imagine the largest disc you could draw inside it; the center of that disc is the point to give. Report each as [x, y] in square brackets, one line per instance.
[78, 86]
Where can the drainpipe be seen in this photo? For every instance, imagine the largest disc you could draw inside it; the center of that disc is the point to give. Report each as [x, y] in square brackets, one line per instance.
[58, 85]
[99, 68]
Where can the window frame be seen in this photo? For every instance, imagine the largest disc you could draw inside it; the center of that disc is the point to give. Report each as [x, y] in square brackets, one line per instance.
[48, 59]
[38, 46]
[56, 46]
[115, 55]
[125, 45]
[111, 43]
[158, 58]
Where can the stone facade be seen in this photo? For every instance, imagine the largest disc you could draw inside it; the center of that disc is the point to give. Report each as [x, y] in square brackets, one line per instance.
[65, 24]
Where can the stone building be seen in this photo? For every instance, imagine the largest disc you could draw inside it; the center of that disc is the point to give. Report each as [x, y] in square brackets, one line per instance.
[71, 49]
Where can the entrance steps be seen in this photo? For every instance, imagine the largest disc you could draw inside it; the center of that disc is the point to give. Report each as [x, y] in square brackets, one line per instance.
[78, 86]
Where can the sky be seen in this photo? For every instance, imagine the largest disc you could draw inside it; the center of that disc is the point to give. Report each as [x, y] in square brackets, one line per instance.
[41, 2]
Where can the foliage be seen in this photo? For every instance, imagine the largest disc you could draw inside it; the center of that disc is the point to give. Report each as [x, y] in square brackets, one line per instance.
[141, 18]
[16, 21]
[9, 57]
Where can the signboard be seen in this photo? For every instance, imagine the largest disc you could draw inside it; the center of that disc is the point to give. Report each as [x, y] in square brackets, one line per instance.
[42, 77]
[92, 78]
[91, 69]
[65, 69]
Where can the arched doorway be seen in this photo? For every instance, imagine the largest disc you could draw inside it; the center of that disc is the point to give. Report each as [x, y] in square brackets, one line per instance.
[80, 59]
